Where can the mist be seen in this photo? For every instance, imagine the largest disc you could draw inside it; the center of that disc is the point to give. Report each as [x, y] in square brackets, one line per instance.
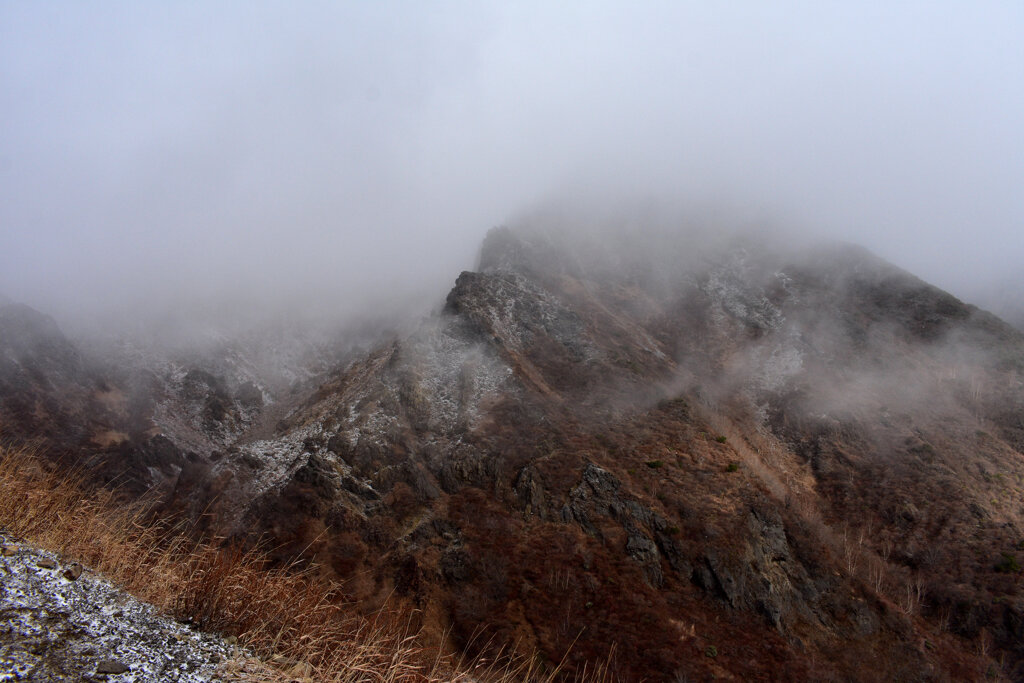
[337, 160]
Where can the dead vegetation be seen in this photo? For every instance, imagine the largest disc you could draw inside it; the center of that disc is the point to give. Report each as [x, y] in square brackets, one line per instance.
[300, 626]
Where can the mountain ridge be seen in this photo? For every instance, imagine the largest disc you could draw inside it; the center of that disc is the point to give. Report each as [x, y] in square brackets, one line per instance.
[763, 444]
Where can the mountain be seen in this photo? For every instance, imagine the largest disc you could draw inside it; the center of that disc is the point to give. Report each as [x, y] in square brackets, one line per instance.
[46, 389]
[682, 456]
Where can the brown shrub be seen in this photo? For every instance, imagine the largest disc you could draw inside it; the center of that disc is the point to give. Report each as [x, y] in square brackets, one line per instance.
[283, 614]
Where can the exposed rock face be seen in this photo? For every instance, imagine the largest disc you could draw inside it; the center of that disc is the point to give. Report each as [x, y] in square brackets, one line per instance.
[599, 495]
[808, 462]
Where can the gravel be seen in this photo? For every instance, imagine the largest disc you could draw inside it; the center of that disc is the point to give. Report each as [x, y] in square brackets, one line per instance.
[57, 628]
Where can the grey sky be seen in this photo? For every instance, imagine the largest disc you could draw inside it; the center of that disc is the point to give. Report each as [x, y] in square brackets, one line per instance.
[157, 152]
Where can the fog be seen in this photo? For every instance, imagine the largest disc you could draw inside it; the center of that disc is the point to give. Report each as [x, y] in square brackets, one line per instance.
[346, 158]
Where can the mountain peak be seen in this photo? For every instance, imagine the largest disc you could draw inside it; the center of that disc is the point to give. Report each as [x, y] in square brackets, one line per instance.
[772, 447]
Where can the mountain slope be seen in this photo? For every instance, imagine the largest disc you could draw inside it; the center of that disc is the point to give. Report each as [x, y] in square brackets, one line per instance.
[695, 457]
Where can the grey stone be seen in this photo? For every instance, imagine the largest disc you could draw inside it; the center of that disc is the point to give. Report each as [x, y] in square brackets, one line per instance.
[112, 666]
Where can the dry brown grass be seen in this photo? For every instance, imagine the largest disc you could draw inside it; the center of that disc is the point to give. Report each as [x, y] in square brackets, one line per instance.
[299, 625]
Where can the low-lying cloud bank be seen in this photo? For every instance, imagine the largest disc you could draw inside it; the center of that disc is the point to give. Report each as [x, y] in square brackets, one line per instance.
[345, 159]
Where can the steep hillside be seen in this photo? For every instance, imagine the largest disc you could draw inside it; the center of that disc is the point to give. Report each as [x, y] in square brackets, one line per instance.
[140, 410]
[736, 460]
[44, 385]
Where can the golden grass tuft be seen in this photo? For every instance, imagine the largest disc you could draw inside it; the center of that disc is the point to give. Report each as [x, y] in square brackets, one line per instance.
[298, 625]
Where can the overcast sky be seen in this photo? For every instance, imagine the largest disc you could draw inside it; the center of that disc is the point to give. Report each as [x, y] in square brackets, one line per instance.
[163, 152]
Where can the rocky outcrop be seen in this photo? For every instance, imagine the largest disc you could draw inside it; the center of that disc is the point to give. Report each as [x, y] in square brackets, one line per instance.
[600, 494]
[763, 576]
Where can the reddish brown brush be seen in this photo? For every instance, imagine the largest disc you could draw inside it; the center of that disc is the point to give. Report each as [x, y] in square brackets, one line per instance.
[298, 625]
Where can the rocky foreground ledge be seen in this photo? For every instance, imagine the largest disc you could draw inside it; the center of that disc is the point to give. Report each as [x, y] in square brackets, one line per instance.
[59, 622]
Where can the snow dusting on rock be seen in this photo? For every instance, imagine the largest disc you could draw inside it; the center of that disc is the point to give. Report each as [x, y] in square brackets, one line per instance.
[56, 627]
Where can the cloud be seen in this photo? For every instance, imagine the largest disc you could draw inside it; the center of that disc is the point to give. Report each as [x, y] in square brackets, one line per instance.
[351, 155]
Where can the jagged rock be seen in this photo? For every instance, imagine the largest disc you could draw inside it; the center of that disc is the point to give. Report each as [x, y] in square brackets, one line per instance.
[530, 492]
[670, 548]
[460, 471]
[73, 572]
[46, 563]
[719, 577]
[359, 488]
[644, 551]
[599, 494]
[763, 576]
[112, 666]
[598, 489]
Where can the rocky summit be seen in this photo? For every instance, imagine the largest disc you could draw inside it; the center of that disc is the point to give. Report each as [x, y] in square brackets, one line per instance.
[679, 457]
